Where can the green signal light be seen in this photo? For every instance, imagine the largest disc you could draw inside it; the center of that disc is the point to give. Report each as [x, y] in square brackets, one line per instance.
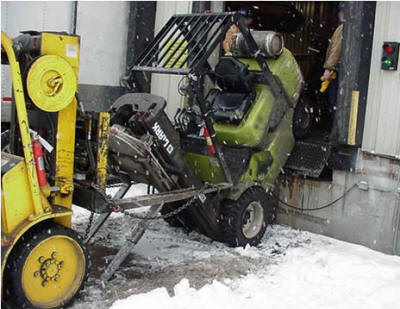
[387, 62]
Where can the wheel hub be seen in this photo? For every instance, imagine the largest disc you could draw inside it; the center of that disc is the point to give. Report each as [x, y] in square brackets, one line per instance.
[304, 119]
[53, 270]
[253, 219]
[49, 269]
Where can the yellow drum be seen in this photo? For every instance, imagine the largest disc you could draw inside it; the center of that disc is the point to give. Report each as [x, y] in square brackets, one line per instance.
[51, 83]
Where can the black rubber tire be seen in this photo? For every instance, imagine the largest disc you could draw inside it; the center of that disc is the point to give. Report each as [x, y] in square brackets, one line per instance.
[303, 119]
[14, 294]
[232, 213]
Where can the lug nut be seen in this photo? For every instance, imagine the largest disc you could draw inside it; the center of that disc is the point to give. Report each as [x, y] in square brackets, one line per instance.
[54, 255]
[36, 274]
[41, 259]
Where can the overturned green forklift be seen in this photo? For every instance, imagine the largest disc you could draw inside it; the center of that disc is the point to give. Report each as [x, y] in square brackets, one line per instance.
[235, 134]
[212, 167]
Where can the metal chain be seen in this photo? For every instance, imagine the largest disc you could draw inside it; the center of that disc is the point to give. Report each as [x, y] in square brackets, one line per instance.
[165, 216]
[89, 226]
[115, 207]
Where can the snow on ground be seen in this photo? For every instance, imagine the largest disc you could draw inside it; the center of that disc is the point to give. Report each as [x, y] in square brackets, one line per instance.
[319, 273]
[290, 269]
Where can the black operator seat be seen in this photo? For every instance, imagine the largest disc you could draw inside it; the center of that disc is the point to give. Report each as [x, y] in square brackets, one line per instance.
[234, 78]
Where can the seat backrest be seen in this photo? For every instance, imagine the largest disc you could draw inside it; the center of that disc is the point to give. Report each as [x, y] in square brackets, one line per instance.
[233, 76]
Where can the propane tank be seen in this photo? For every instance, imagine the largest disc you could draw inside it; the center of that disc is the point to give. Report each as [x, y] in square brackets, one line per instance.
[269, 42]
[40, 168]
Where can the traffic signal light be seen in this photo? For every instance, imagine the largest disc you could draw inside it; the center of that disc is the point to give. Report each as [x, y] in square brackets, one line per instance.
[390, 56]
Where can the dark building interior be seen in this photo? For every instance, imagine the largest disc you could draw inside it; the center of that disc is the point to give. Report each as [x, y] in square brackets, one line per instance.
[307, 28]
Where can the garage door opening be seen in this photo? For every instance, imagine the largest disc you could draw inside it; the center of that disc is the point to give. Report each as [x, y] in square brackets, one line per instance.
[307, 28]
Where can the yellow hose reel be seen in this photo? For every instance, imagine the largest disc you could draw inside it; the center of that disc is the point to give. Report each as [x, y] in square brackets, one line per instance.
[51, 83]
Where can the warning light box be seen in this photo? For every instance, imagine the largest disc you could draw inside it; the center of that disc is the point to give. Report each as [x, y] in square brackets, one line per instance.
[390, 56]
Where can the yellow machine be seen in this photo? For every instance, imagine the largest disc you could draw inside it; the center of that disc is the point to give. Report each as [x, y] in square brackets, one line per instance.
[44, 262]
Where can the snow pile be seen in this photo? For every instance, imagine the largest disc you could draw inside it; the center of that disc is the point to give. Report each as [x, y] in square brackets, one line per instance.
[290, 269]
[248, 251]
[319, 273]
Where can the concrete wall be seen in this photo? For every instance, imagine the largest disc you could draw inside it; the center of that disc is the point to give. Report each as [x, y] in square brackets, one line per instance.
[382, 119]
[103, 27]
[367, 215]
[163, 84]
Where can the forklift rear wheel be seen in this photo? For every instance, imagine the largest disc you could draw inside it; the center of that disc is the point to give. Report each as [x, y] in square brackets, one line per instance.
[48, 267]
[244, 221]
[303, 118]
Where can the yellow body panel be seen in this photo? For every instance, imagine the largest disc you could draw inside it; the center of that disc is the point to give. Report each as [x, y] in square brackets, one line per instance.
[16, 196]
[102, 139]
[66, 47]
[65, 159]
[23, 124]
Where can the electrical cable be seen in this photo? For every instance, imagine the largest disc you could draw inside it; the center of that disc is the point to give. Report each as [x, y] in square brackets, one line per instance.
[317, 208]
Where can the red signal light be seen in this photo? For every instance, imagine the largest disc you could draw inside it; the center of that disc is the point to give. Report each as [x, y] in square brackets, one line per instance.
[388, 49]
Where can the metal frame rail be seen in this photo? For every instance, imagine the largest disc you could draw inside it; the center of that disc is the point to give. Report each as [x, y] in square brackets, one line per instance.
[168, 197]
[155, 201]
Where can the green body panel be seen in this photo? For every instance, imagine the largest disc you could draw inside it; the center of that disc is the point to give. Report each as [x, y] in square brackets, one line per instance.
[264, 166]
[206, 167]
[250, 130]
[286, 68]
[266, 163]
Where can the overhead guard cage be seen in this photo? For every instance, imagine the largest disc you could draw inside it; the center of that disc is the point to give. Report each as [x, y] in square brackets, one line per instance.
[184, 43]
